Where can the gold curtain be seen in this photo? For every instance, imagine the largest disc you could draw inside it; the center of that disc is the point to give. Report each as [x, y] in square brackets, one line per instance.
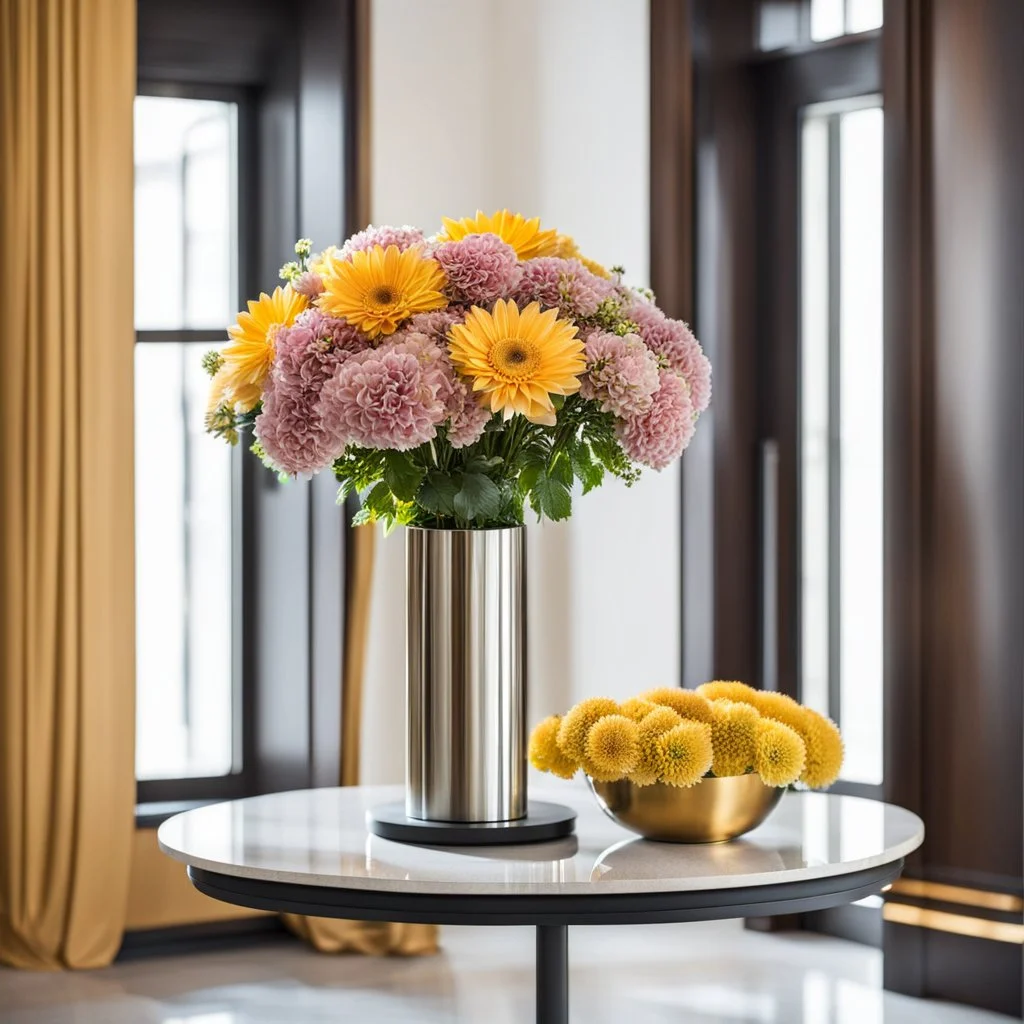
[67, 780]
[330, 935]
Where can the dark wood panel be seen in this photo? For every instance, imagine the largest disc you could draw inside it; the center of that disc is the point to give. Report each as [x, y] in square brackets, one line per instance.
[955, 475]
[726, 321]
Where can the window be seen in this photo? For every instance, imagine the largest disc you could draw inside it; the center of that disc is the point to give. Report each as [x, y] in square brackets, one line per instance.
[186, 500]
[841, 419]
[783, 24]
[831, 18]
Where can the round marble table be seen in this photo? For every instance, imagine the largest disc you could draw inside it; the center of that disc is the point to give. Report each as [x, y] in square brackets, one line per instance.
[310, 852]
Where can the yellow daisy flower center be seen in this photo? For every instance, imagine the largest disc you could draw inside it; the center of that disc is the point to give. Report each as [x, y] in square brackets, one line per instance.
[515, 359]
[381, 297]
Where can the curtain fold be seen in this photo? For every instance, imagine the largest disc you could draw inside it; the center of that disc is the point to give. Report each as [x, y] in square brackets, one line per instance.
[67, 674]
[329, 935]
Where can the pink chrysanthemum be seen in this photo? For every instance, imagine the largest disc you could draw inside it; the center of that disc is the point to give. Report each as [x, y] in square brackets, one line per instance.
[309, 283]
[675, 343]
[480, 268]
[435, 325]
[467, 417]
[383, 398]
[567, 284]
[289, 427]
[659, 436]
[404, 237]
[622, 373]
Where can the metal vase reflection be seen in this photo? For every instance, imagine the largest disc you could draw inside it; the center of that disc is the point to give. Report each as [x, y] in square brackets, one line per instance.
[466, 675]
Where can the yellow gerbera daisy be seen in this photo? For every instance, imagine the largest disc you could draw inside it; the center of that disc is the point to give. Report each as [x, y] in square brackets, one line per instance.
[379, 288]
[519, 358]
[250, 353]
[525, 236]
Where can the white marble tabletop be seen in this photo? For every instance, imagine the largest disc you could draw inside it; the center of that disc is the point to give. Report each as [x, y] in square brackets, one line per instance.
[319, 837]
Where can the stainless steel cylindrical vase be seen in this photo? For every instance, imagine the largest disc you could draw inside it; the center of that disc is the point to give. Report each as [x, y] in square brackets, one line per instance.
[466, 621]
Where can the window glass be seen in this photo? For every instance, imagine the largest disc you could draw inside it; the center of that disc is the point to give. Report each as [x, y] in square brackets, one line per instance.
[183, 577]
[185, 200]
[860, 434]
[186, 254]
[841, 426]
[831, 18]
[827, 19]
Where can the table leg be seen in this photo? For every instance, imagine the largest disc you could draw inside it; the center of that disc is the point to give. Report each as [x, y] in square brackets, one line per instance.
[552, 974]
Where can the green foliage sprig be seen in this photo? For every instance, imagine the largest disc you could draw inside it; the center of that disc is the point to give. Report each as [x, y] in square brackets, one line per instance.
[513, 466]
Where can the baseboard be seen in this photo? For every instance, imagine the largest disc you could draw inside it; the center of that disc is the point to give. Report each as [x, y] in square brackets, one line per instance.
[181, 940]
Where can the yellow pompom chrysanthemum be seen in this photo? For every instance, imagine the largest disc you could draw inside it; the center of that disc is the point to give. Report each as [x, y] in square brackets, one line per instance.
[572, 733]
[519, 358]
[733, 736]
[780, 753]
[821, 737]
[684, 753]
[637, 708]
[525, 236]
[653, 725]
[726, 690]
[687, 703]
[612, 748]
[247, 358]
[376, 289]
[544, 752]
[824, 750]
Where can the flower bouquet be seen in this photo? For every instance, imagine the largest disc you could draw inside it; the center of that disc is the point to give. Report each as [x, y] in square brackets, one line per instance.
[452, 380]
[732, 747]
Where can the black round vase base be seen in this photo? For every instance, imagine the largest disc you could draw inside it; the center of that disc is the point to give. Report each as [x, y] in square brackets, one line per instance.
[543, 823]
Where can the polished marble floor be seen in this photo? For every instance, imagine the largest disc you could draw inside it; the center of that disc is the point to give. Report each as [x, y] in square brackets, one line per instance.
[713, 973]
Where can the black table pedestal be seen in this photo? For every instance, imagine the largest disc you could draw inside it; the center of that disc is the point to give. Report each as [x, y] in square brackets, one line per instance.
[552, 974]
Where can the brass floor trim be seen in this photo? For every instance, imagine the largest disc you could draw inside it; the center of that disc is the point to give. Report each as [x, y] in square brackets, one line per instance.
[921, 889]
[956, 924]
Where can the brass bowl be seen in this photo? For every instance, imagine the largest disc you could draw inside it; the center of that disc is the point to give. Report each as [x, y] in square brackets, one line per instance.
[713, 811]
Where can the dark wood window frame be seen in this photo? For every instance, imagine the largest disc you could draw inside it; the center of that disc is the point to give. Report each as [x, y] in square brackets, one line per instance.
[299, 77]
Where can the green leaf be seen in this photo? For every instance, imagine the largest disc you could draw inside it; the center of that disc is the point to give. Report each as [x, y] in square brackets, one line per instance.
[402, 475]
[437, 494]
[483, 464]
[529, 475]
[378, 503]
[478, 498]
[561, 469]
[590, 473]
[553, 498]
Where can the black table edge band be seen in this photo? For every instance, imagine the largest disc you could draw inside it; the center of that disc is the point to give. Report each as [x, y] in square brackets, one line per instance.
[560, 909]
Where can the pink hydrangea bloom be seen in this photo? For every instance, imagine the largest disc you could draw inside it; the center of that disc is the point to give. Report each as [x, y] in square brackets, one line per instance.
[309, 284]
[383, 398]
[659, 436]
[289, 427]
[404, 237]
[340, 334]
[567, 284]
[622, 373]
[675, 343]
[480, 268]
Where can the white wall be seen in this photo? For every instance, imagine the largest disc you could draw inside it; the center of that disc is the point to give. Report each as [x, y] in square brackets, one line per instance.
[539, 106]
